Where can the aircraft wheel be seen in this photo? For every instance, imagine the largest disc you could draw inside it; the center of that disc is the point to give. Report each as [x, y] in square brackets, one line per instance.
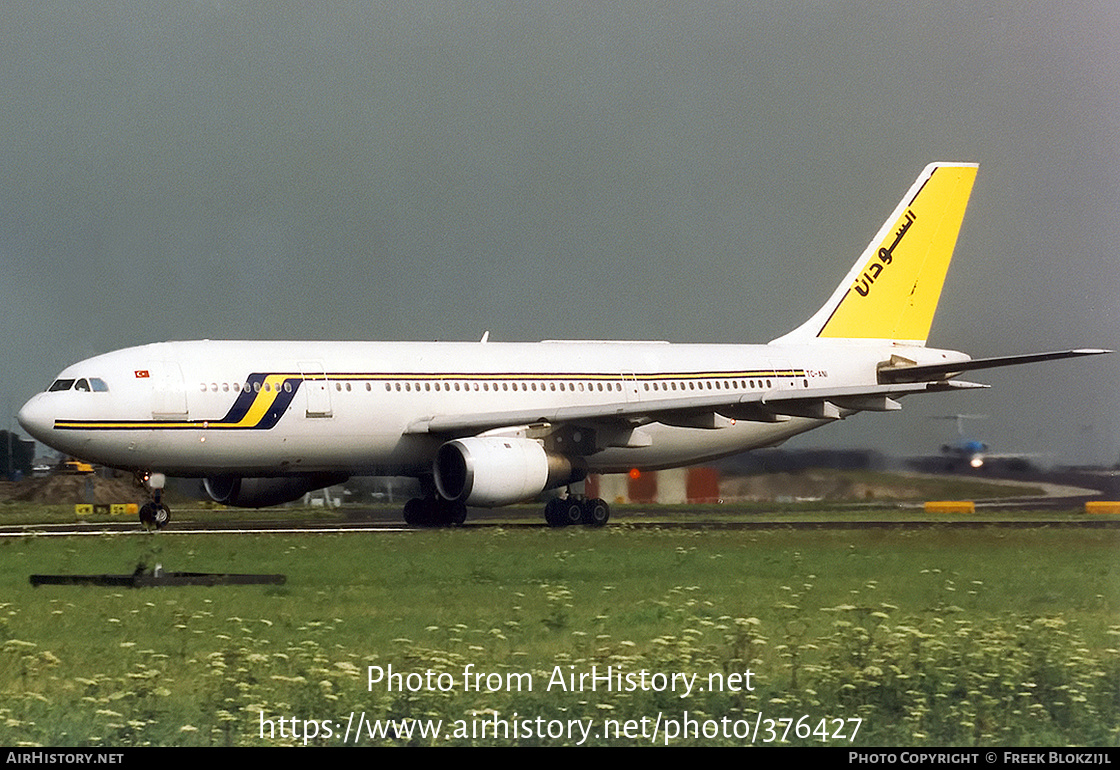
[154, 516]
[452, 513]
[571, 512]
[553, 515]
[459, 516]
[596, 512]
[417, 513]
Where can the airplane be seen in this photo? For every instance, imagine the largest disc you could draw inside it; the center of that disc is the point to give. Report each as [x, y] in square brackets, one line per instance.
[488, 423]
[968, 452]
[971, 452]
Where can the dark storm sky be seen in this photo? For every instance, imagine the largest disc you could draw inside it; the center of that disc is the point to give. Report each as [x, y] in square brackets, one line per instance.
[701, 171]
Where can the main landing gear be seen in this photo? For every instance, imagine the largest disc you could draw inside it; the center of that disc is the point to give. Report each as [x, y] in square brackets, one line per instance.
[153, 514]
[434, 511]
[565, 511]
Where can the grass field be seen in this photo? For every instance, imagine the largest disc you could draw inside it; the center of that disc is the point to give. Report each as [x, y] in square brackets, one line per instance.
[928, 637]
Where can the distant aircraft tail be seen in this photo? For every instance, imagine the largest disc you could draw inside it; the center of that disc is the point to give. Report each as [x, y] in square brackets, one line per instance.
[892, 290]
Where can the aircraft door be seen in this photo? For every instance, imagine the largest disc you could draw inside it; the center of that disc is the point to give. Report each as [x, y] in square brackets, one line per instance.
[169, 392]
[316, 388]
[782, 379]
[630, 387]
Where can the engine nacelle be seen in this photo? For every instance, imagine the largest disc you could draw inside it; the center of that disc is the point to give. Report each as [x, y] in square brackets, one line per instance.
[489, 471]
[263, 492]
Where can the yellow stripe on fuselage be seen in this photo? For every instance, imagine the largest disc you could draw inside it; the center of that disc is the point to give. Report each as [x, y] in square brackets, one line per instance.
[263, 402]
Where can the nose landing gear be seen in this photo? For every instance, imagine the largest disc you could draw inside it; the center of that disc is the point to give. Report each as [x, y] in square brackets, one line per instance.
[153, 514]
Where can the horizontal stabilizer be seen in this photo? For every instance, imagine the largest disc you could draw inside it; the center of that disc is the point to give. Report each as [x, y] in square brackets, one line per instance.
[925, 372]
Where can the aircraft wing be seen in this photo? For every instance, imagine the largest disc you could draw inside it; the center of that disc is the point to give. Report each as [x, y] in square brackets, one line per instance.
[758, 406]
[931, 371]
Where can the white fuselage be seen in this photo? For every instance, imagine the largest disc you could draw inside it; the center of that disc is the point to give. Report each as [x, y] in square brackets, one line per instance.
[542, 412]
[272, 408]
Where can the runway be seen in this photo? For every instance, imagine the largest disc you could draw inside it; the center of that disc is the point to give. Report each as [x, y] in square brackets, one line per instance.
[1062, 513]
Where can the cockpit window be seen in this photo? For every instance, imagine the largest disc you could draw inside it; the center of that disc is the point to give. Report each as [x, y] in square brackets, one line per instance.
[94, 384]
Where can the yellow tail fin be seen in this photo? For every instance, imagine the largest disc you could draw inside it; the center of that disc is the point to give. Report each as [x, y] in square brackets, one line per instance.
[891, 292]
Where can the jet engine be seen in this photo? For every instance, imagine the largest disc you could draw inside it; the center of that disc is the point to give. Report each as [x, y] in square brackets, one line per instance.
[263, 492]
[490, 471]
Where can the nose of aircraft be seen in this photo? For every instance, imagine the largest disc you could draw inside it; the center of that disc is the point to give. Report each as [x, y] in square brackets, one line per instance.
[35, 418]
